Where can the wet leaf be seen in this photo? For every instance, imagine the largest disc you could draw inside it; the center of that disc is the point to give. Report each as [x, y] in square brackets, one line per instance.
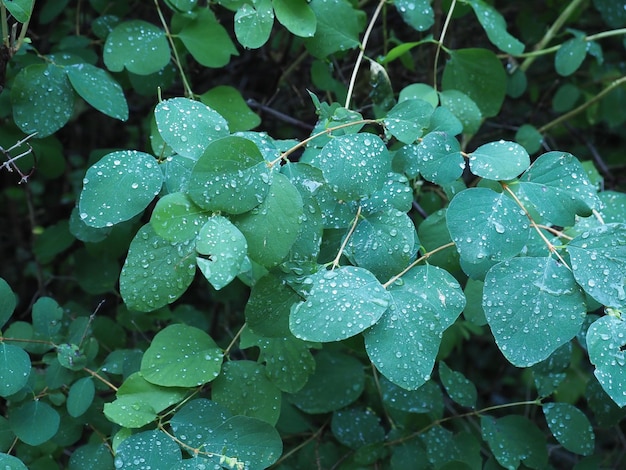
[244, 389]
[464, 108]
[181, 356]
[230, 176]
[606, 341]
[253, 23]
[297, 16]
[267, 310]
[356, 428]
[176, 219]
[148, 449]
[570, 427]
[404, 343]
[570, 56]
[189, 126]
[418, 14]
[338, 27]
[8, 301]
[98, 89]
[138, 46]
[14, 369]
[438, 158]
[533, 306]
[339, 304]
[426, 399]
[156, 272]
[223, 249]
[407, 120]
[42, 99]
[118, 187]
[494, 25]
[598, 259]
[459, 388]
[500, 160]
[93, 456]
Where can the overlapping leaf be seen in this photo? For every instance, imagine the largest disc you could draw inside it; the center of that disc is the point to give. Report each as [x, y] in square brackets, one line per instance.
[253, 23]
[175, 218]
[500, 160]
[407, 120]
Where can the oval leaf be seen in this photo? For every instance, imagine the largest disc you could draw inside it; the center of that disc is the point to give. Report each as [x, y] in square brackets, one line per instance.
[570, 56]
[14, 369]
[253, 23]
[34, 422]
[296, 16]
[570, 427]
[80, 396]
[98, 89]
[439, 158]
[148, 449]
[500, 160]
[8, 301]
[207, 40]
[177, 219]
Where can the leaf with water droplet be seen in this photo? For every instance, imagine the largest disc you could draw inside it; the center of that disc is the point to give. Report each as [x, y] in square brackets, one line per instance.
[437, 158]
[189, 126]
[339, 25]
[138, 46]
[426, 399]
[253, 23]
[244, 389]
[96, 456]
[500, 160]
[598, 259]
[339, 304]
[15, 369]
[514, 440]
[230, 176]
[272, 228]
[606, 344]
[356, 428]
[224, 249]
[533, 306]
[570, 55]
[297, 16]
[98, 89]
[156, 271]
[570, 427]
[494, 25]
[464, 108]
[177, 219]
[407, 120]
[419, 14]
[181, 356]
[404, 343]
[118, 187]
[148, 449]
[459, 388]
[267, 310]
[42, 99]
[556, 189]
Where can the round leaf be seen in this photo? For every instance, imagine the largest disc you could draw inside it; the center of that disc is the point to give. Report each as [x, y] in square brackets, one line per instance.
[500, 160]
[14, 369]
[407, 120]
[222, 249]
[20, 9]
[189, 126]
[439, 158]
[513, 440]
[418, 14]
[460, 389]
[175, 218]
[529, 137]
[533, 306]
[230, 176]
[42, 99]
[253, 23]
[118, 187]
[570, 56]
[296, 16]
[570, 427]
[357, 428]
[138, 46]
[227, 101]
[339, 304]
[494, 25]
[148, 449]
[207, 40]
[606, 346]
[181, 356]
[8, 301]
[464, 108]
[11, 463]
[98, 89]
[34, 422]
[354, 165]
[93, 456]
[403, 345]
[80, 396]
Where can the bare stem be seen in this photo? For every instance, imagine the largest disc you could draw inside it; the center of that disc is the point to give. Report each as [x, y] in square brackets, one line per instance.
[440, 42]
[345, 241]
[416, 262]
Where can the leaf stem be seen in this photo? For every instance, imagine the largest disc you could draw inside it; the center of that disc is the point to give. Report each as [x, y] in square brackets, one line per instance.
[234, 340]
[416, 262]
[345, 241]
[440, 42]
[362, 47]
[95, 375]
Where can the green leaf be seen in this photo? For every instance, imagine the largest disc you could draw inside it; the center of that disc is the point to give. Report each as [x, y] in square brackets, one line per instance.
[599, 263]
[480, 75]
[47, 318]
[229, 103]
[267, 310]
[222, 249]
[92, 456]
[148, 449]
[570, 56]
[138, 46]
[253, 23]
[181, 356]
[189, 126]
[195, 422]
[605, 344]
[570, 427]
[138, 402]
[494, 25]
[486, 225]
[407, 120]
[20, 9]
[338, 27]
[34, 422]
[244, 389]
[606, 412]
[417, 14]
[71, 357]
[80, 397]
[383, 243]
[156, 271]
[339, 304]
[207, 40]
[42, 99]
[354, 165]
[500, 160]
[426, 399]
[118, 187]
[337, 382]
[533, 306]
[356, 428]
[612, 13]
[297, 16]
[183, 6]
[273, 226]
[459, 388]
[529, 137]
[176, 219]
[440, 446]
[557, 188]
[404, 343]
[14, 369]
[464, 108]
[515, 440]
[438, 158]
[230, 176]
[11, 463]
[98, 89]
[8, 301]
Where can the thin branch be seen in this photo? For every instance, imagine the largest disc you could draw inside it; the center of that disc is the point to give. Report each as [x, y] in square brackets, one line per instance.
[345, 241]
[234, 340]
[416, 262]
[440, 42]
